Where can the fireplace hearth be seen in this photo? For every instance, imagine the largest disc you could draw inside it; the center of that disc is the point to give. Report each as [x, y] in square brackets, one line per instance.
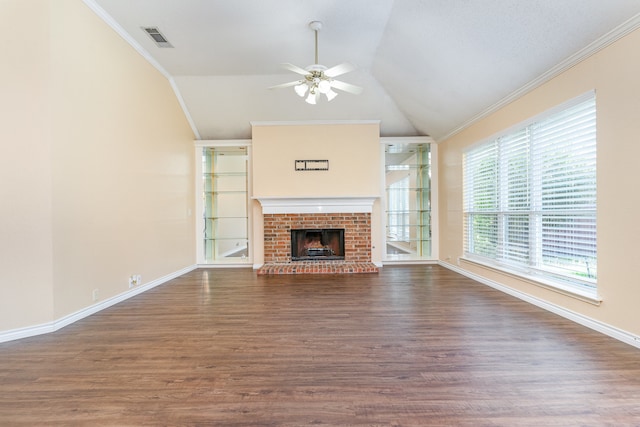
[317, 244]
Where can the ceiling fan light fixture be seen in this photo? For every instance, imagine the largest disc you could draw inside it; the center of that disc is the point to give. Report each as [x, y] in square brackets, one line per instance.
[324, 86]
[301, 89]
[311, 99]
[318, 79]
[331, 94]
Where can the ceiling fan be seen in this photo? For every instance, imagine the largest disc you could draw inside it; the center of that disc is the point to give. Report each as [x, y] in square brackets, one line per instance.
[318, 79]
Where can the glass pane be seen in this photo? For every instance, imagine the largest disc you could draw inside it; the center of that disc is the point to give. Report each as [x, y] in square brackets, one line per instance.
[229, 183]
[516, 239]
[229, 161]
[230, 205]
[229, 248]
[225, 235]
[226, 228]
[407, 182]
[569, 244]
[484, 234]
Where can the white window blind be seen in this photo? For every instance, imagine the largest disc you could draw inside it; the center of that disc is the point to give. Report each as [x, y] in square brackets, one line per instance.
[530, 197]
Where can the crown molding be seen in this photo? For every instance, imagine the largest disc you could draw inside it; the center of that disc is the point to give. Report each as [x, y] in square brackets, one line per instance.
[108, 19]
[223, 143]
[601, 43]
[406, 140]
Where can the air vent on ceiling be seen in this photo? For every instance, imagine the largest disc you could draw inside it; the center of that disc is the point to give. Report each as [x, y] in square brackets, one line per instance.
[157, 36]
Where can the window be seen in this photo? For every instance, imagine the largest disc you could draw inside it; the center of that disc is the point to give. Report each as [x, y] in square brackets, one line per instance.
[530, 198]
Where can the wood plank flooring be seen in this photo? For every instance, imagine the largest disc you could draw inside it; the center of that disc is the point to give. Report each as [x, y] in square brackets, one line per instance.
[410, 346]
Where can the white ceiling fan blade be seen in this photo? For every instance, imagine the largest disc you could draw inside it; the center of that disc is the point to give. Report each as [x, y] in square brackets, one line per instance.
[297, 82]
[347, 87]
[295, 69]
[339, 69]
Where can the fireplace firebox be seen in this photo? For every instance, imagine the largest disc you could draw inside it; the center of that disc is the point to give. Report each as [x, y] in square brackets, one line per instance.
[317, 244]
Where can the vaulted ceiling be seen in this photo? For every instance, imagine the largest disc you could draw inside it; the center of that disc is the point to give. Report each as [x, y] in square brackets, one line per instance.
[428, 67]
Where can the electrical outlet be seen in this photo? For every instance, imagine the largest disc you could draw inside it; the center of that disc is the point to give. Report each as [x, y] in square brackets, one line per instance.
[134, 280]
[94, 295]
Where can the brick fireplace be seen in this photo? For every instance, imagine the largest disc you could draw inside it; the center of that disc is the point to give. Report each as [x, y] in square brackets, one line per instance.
[283, 215]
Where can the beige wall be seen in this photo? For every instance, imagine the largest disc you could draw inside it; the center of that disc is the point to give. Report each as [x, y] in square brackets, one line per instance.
[351, 149]
[354, 154]
[100, 171]
[613, 73]
[26, 270]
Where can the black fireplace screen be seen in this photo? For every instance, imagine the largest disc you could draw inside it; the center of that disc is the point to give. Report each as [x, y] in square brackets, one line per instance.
[317, 244]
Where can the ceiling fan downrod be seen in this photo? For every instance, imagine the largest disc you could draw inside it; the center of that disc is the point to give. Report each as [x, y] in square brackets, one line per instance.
[316, 26]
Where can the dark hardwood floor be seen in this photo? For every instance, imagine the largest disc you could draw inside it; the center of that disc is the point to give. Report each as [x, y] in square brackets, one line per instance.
[410, 346]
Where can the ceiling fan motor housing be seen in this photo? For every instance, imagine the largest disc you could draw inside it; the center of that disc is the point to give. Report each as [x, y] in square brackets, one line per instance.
[316, 67]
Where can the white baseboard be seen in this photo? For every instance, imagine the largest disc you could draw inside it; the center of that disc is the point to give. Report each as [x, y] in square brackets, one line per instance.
[55, 325]
[590, 323]
[409, 262]
[227, 265]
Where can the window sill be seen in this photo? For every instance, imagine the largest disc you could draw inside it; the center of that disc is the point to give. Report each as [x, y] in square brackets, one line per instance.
[589, 297]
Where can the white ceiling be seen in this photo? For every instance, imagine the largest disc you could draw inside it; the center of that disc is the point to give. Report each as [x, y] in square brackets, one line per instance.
[428, 67]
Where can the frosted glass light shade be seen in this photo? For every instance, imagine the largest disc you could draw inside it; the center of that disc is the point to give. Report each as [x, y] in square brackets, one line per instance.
[311, 99]
[324, 86]
[301, 89]
[331, 94]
